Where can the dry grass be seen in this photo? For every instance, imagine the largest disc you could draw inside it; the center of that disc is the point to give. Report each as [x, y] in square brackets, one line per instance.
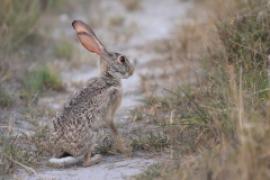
[222, 121]
[21, 150]
[25, 145]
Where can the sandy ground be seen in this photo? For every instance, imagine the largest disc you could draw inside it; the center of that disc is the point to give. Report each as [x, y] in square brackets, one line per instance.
[154, 21]
[112, 168]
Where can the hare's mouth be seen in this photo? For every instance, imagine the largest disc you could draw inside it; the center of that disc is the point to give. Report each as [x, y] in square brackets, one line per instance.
[127, 75]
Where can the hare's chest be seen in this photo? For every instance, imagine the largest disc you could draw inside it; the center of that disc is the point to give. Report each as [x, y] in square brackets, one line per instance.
[115, 94]
[103, 106]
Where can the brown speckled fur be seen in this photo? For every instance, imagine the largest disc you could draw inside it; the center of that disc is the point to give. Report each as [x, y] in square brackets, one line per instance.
[86, 121]
[86, 118]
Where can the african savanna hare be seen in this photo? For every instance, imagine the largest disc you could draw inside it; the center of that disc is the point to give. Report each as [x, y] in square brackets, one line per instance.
[86, 121]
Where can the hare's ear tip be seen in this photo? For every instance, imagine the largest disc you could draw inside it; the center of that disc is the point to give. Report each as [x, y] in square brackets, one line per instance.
[74, 22]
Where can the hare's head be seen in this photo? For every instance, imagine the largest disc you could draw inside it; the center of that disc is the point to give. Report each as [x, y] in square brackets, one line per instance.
[111, 63]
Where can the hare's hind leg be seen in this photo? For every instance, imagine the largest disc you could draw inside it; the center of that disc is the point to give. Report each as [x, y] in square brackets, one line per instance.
[91, 160]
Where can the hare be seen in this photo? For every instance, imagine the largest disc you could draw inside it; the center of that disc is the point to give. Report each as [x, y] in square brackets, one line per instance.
[86, 121]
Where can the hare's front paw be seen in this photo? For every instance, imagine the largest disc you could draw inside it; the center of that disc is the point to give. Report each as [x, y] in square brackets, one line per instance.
[122, 146]
[89, 161]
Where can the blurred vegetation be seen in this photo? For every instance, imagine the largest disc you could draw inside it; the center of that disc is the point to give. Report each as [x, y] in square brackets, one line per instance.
[117, 21]
[247, 44]
[222, 122]
[5, 98]
[149, 142]
[54, 4]
[17, 20]
[64, 50]
[42, 78]
[132, 5]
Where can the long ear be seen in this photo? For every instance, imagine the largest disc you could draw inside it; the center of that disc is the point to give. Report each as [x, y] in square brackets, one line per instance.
[88, 38]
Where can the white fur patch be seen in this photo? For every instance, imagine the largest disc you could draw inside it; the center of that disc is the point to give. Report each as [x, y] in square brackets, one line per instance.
[64, 162]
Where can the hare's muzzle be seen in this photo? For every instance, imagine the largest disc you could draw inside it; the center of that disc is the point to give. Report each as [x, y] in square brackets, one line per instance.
[131, 71]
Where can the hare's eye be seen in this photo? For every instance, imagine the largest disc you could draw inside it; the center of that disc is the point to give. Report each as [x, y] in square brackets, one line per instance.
[122, 59]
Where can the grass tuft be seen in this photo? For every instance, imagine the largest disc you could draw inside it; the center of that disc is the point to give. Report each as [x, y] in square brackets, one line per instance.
[42, 78]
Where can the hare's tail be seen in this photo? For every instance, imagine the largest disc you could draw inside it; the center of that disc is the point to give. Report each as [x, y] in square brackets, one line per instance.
[65, 161]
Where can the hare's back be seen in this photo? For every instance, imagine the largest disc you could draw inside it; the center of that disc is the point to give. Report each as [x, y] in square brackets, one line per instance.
[85, 106]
